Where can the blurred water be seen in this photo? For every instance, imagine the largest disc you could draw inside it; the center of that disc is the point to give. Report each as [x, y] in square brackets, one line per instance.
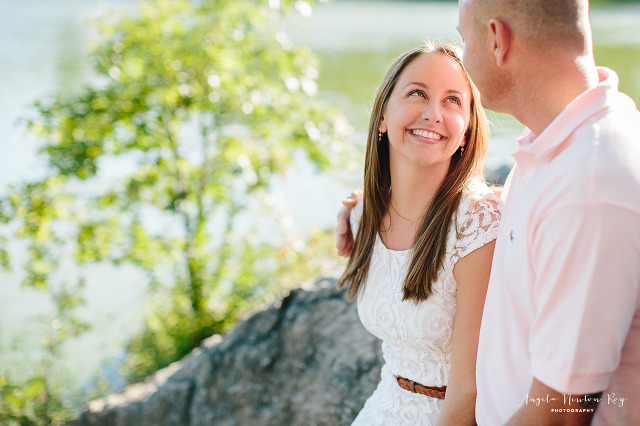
[43, 45]
[44, 51]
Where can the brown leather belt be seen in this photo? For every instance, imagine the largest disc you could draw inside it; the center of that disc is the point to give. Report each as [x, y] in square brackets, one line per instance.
[411, 386]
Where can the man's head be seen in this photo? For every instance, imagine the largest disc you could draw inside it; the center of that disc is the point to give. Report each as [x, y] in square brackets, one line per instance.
[505, 39]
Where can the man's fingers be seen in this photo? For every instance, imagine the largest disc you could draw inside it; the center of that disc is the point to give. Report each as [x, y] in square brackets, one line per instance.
[347, 249]
[349, 202]
[340, 241]
[343, 220]
[344, 213]
[353, 198]
[344, 238]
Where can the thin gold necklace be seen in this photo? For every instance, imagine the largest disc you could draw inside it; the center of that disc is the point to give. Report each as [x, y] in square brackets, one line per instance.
[408, 220]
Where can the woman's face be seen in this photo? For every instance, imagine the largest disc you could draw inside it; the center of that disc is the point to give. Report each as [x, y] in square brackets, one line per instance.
[427, 114]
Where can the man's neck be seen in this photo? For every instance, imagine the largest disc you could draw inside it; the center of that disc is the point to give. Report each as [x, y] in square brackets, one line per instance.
[549, 87]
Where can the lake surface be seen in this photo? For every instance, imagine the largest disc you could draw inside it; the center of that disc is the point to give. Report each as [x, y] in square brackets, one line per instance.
[44, 52]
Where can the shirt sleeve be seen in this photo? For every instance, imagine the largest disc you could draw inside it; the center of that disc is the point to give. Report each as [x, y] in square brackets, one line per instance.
[587, 264]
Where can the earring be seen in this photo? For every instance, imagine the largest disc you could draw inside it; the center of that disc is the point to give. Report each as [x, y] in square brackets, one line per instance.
[461, 149]
[379, 136]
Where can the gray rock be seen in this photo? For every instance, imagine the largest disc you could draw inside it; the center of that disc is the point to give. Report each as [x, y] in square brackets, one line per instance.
[306, 360]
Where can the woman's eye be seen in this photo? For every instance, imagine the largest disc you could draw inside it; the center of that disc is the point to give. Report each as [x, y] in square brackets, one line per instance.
[453, 100]
[418, 93]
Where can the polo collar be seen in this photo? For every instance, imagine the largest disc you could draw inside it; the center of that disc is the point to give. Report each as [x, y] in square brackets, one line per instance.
[535, 149]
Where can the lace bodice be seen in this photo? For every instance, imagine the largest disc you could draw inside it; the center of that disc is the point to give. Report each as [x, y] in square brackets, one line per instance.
[416, 337]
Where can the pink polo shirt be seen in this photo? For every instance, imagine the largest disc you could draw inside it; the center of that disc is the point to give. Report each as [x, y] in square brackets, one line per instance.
[563, 298]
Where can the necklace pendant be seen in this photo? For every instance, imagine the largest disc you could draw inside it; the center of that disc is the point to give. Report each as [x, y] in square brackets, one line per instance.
[411, 221]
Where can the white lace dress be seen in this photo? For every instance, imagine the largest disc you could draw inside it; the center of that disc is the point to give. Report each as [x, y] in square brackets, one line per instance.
[416, 338]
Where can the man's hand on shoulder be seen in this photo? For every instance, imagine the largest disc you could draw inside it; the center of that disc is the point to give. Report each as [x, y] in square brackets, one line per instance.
[344, 237]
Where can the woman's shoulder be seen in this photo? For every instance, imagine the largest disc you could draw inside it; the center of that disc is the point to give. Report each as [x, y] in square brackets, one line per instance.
[479, 199]
[478, 218]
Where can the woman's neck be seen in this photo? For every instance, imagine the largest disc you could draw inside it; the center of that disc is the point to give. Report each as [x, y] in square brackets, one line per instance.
[412, 190]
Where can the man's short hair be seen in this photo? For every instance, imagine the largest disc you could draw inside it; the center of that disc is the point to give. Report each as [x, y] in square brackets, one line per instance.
[544, 22]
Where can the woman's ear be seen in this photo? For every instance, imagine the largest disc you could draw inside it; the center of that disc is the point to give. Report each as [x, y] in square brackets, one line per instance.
[382, 126]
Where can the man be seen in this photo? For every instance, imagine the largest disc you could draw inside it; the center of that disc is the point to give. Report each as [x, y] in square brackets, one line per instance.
[560, 334]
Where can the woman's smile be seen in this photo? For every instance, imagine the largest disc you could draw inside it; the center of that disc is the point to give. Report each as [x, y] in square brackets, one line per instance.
[426, 136]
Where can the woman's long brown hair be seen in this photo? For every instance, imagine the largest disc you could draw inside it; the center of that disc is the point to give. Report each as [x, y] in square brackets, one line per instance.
[431, 238]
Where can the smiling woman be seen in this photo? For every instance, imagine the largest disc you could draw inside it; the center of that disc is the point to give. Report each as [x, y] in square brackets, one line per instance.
[426, 116]
[424, 239]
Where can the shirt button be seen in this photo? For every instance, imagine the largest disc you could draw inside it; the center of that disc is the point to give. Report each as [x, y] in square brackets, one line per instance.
[522, 180]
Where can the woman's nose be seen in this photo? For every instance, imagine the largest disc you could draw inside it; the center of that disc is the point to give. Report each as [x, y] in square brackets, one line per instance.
[432, 112]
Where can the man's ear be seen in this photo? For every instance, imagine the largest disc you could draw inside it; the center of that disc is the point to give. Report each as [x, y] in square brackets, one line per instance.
[500, 37]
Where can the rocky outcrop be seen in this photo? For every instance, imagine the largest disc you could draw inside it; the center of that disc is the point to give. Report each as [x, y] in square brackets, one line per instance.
[306, 360]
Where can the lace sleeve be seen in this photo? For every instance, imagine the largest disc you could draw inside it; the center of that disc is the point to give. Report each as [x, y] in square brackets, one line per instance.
[477, 224]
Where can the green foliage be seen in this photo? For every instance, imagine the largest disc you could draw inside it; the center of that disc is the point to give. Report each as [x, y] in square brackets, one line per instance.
[165, 337]
[41, 400]
[35, 402]
[27, 404]
[166, 164]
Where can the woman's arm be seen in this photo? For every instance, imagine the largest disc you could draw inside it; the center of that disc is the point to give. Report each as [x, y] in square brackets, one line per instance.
[472, 277]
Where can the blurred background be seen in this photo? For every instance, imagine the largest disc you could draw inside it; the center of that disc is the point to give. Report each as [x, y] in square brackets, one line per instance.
[87, 305]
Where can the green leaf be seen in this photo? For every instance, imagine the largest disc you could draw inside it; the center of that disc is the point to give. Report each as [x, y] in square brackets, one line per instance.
[33, 388]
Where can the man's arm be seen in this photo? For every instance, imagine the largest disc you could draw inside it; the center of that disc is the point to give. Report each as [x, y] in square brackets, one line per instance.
[587, 263]
[344, 237]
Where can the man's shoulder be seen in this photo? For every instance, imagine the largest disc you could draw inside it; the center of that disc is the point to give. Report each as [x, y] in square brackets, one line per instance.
[602, 162]
[613, 142]
[598, 164]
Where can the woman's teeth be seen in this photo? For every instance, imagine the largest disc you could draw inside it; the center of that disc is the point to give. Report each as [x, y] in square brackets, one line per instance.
[427, 134]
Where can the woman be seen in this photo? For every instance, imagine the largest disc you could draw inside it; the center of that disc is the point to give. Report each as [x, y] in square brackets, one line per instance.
[425, 232]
